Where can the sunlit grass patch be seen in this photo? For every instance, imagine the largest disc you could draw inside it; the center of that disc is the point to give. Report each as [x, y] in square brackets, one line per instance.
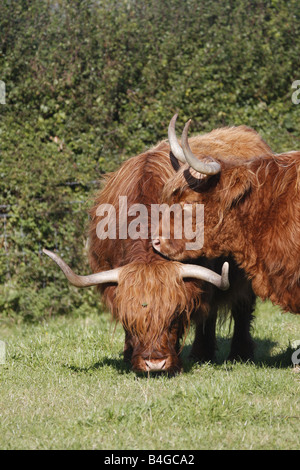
[65, 385]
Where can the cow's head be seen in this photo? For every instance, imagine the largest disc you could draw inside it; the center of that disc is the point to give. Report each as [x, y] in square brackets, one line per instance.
[153, 302]
[217, 186]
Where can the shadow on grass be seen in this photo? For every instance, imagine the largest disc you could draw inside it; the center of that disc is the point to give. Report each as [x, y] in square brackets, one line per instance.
[119, 364]
[262, 358]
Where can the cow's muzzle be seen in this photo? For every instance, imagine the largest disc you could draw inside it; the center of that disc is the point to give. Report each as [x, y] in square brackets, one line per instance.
[155, 365]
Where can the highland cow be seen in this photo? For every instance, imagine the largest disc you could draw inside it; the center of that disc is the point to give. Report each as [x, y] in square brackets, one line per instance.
[251, 211]
[156, 299]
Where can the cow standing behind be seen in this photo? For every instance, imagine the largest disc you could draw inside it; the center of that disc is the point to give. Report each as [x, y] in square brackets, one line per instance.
[153, 303]
[252, 212]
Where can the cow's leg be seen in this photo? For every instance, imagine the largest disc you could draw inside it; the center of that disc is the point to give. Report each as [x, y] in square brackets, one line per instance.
[242, 345]
[204, 345]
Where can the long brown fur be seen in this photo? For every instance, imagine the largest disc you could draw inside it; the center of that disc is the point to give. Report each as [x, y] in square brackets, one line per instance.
[252, 211]
[229, 142]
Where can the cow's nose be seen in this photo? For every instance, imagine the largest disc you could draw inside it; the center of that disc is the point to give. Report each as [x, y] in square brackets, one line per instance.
[156, 244]
[155, 366]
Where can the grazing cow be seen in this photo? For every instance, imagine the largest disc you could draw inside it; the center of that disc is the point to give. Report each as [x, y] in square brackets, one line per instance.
[156, 299]
[251, 212]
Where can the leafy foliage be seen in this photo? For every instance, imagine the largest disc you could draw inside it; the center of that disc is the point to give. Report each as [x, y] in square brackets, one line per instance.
[91, 83]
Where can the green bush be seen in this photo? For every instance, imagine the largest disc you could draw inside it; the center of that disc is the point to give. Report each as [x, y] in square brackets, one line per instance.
[89, 84]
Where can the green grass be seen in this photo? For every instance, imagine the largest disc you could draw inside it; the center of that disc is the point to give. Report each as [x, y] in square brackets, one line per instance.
[64, 385]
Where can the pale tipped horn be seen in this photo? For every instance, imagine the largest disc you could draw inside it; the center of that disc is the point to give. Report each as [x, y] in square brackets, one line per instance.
[211, 168]
[174, 144]
[102, 277]
[205, 274]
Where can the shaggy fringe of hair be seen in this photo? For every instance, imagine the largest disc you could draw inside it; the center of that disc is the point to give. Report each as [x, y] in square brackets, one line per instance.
[146, 309]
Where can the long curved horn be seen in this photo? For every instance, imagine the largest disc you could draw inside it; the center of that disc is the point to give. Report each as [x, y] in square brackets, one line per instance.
[84, 281]
[205, 168]
[200, 272]
[174, 144]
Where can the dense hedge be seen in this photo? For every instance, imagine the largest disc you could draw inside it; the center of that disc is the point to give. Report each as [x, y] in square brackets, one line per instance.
[90, 83]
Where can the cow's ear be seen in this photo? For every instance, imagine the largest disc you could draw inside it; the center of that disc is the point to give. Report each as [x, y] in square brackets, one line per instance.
[236, 186]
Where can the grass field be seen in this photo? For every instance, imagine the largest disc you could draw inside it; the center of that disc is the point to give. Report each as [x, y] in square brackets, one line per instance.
[64, 385]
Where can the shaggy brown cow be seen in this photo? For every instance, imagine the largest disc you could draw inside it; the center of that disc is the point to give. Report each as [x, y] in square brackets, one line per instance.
[151, 300]
[251, 211]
